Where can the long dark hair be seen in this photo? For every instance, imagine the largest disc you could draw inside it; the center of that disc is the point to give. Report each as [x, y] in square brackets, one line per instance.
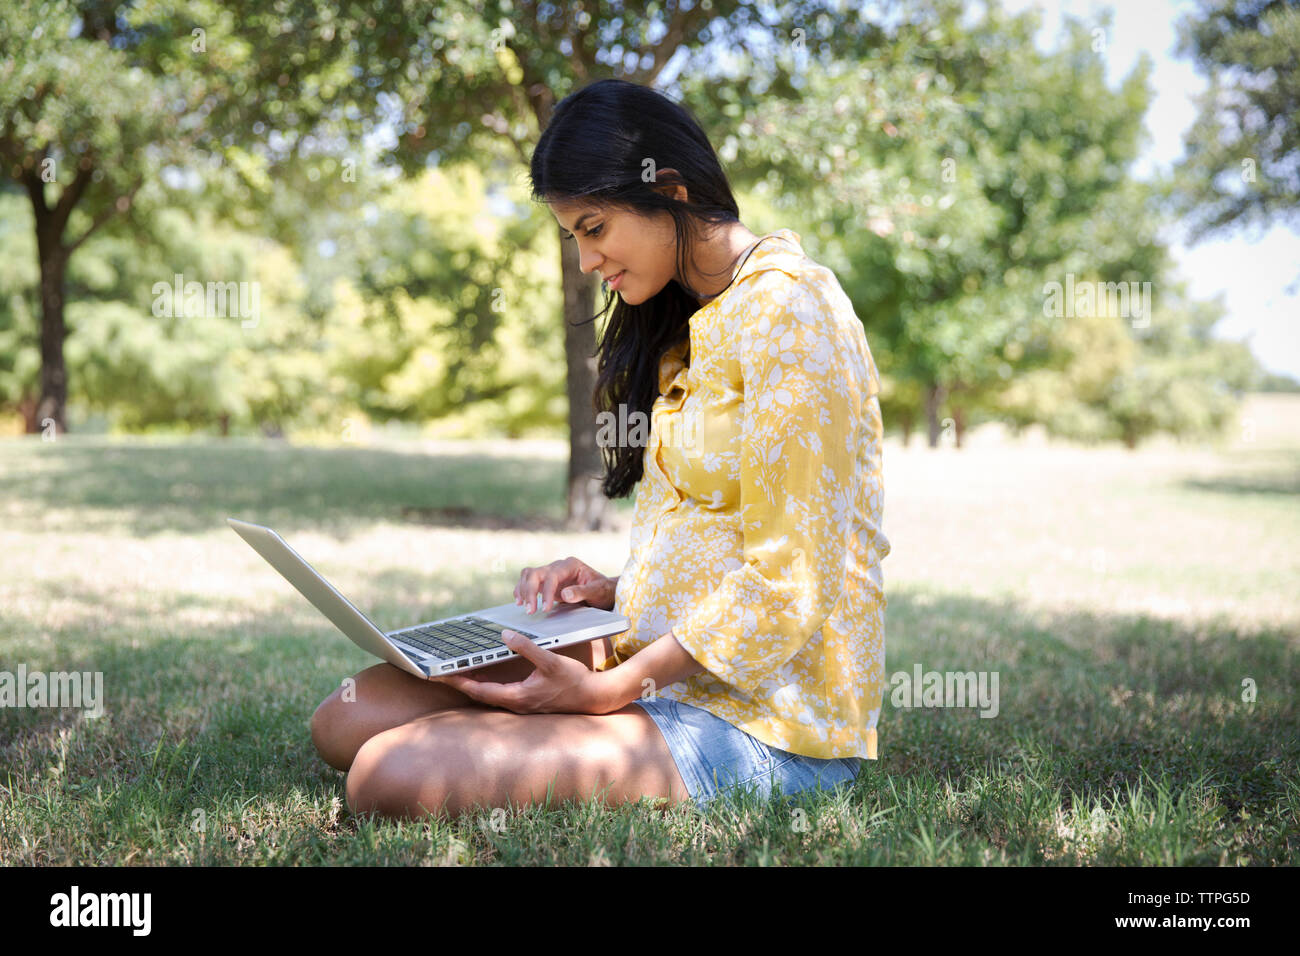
[595, 149]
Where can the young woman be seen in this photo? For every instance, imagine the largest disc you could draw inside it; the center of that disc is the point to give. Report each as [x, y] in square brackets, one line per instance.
[755, 656]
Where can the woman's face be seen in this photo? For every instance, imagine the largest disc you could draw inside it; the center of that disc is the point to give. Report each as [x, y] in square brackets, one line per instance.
[611, 241]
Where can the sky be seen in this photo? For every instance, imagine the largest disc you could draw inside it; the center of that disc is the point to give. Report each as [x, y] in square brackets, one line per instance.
[1251, 271]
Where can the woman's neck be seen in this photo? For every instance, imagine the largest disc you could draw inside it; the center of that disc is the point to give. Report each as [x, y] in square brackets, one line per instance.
[717, 259]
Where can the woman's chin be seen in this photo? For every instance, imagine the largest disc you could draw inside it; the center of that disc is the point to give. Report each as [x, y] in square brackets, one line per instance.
[631, 296]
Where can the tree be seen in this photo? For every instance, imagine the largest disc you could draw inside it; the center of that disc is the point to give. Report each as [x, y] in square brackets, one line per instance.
[374, 319]
[1048, 147]
[947, 169]
[1114, 381]
[98, 99]
[1242, 164]
[446, 305]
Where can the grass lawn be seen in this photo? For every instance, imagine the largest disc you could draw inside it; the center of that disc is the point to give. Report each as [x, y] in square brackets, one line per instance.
[1122, 599]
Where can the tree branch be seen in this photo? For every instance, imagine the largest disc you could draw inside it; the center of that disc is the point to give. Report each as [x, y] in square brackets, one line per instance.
[68, 200]
[107, 213]
[681, 25]
[36, 192]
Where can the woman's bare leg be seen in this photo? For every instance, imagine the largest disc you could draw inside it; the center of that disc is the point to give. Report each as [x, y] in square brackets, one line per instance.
[455, 760]
[384, 697]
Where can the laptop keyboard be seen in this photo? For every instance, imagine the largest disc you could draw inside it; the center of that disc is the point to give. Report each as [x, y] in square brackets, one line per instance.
[468, 637]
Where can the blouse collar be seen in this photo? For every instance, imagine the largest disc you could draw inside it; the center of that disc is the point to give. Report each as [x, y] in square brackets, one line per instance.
[764, 254]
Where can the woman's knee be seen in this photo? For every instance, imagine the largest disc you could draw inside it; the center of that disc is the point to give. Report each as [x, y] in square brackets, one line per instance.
[329, 734]
[367, 703]
[385, 780]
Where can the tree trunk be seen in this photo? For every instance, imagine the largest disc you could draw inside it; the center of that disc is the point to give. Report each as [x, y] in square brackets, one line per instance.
[905, 422]
[53, 402]
[934, 396]
[959, 423]
[27, 409]
[588, 507]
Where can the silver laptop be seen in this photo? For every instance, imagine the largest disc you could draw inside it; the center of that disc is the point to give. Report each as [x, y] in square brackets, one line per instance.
[461, 643]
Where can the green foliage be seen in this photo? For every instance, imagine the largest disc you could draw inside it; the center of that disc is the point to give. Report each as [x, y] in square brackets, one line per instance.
[1275, 382]
[436, 306]
[80, 114]
[1117, 381]
[450, 305]
[141, 369]
[1243, 152]
[364, 167]
[948, 174]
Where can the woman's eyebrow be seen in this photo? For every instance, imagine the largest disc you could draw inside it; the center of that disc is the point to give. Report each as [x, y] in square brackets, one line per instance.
[581, 219]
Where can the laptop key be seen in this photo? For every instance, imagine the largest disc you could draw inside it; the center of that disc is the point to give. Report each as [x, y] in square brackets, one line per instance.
[459, 638]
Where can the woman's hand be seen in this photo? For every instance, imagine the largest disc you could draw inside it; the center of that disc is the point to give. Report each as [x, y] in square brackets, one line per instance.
[557, 685]
[568, 581]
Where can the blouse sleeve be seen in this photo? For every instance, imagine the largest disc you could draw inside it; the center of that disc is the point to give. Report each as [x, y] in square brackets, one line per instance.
[804, 397]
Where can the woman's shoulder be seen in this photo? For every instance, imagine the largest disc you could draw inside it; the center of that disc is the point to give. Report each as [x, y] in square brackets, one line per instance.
[780, 271]
[800, 301]
[785, 281]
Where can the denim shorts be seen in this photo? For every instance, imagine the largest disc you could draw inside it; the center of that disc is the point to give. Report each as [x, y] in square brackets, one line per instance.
[717, 758]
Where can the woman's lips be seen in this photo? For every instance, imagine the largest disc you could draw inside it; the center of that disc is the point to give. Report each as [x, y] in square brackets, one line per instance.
[617, 281]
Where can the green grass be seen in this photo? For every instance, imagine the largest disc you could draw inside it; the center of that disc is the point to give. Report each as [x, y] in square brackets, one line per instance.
[1121, 597]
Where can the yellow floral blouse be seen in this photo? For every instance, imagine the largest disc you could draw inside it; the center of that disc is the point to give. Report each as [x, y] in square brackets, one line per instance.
[756, 534]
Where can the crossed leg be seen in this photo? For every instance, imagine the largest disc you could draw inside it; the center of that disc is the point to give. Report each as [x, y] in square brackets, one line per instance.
[414, 747]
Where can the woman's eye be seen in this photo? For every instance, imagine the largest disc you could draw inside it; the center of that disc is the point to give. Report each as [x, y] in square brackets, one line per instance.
[589, 232]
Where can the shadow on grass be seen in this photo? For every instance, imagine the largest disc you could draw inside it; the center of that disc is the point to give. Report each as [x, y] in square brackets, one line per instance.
[1098, 700]
[1271, 485]
[194, 486]
[1277, 472]
[1088, 703]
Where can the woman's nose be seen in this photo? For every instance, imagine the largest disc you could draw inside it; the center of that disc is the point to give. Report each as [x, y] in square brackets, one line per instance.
[587, 262]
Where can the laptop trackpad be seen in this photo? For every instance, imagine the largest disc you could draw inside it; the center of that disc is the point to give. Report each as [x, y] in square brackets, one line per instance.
[558, 621]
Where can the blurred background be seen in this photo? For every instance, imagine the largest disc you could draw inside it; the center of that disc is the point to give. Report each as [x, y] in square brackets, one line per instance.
[311, 222]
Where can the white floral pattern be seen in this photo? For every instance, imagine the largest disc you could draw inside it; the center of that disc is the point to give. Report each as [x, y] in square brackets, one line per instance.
[756, 534]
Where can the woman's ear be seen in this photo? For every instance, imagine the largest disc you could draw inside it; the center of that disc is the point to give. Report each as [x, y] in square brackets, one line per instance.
[677, 192]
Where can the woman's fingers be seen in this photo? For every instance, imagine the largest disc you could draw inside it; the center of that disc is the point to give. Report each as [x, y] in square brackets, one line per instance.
[528, 590]
[521, 585]
[560, 582]
[549, 586]
[507, 696]
[580, 593]
[531, 591]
